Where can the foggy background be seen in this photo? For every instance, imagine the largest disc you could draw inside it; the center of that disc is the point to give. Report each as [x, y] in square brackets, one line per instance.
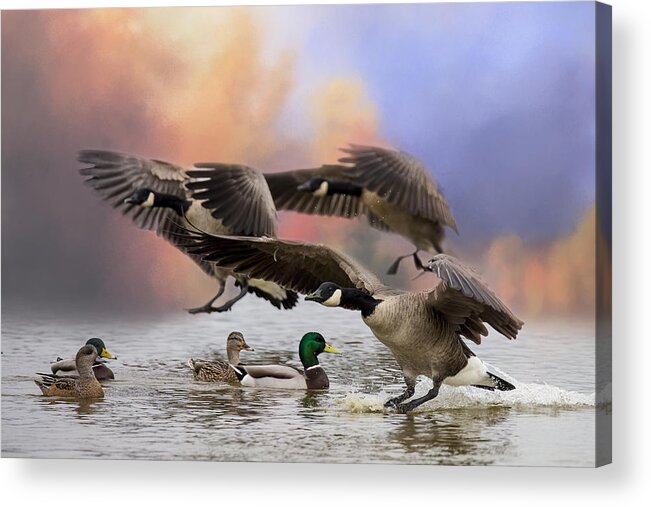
[497, 100]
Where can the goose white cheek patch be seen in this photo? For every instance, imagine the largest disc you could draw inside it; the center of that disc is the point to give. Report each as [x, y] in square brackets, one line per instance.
[149, 202]
[322, 191]
[333, 300]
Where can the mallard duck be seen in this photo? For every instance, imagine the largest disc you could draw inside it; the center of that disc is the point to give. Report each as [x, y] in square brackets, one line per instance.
[68, 367]
[423, 329]
[393, 189]
[158, 196]
[84, 386]
[221, 371]
[287, 377]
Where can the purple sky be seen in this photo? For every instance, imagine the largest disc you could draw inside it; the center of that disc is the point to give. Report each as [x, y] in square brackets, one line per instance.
[496, 99]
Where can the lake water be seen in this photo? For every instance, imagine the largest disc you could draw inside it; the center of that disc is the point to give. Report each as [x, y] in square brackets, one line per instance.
[155, 410]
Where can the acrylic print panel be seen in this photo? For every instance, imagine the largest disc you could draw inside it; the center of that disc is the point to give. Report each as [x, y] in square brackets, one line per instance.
[500, 113]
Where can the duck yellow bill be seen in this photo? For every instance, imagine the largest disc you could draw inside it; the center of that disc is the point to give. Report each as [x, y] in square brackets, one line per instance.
[330, 349]
[105, 353]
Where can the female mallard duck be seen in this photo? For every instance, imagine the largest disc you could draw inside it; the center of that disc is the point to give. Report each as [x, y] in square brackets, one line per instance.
[159, 196]
[84, 386]
[423, 329]
[68, 367]
[288, 377]
[221, 371]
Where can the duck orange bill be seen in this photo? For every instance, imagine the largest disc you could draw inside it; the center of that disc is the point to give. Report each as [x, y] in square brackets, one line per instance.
[250, 349]
[105, 353]
[330, 349]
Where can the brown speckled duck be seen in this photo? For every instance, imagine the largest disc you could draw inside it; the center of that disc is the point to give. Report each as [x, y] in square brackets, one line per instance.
[221, 371]
[85, 386]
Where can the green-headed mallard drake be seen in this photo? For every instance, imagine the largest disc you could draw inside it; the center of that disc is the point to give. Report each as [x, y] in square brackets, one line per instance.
[287, 377]
[84, 386]
[68, 368]
[221, 371]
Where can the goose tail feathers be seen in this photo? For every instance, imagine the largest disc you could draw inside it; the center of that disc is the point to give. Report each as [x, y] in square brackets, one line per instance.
[500, 383]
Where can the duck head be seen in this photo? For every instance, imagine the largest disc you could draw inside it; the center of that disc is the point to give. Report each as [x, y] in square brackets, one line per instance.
[98, 343]
[234, 345]
[312, 344]
[85, 358]
[236, 339]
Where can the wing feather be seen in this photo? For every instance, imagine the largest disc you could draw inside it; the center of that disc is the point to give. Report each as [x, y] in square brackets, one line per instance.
[224, 188]
[400, 179]
[115, 176]
[298, 266]
[465, 300]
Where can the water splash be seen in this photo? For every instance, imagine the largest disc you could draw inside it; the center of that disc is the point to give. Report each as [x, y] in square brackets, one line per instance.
[524, 396]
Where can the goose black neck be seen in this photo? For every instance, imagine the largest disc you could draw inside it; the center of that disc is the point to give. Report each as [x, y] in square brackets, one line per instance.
[180, 206]
[355, 299]
[343, 188]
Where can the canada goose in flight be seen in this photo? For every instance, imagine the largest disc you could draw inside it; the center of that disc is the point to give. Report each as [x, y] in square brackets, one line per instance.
[157, 196]
[423, 329]
[393, 189]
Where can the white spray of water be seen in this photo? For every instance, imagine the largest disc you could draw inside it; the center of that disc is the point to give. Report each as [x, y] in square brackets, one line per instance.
[524, 396]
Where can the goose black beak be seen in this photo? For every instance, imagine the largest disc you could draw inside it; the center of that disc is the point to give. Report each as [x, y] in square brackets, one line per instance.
[305, 187]
[130, 200]
[315, 296]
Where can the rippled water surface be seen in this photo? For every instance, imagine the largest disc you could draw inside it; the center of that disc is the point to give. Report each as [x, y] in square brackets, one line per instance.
[155, 410]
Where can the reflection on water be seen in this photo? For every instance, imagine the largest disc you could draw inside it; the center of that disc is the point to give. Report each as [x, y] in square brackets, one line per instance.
[155, 410]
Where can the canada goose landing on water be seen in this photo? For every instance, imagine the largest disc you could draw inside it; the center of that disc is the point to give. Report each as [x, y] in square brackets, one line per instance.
[85, 386]
[393, 189]
[157, 196]
[423, 329]
[221, 371]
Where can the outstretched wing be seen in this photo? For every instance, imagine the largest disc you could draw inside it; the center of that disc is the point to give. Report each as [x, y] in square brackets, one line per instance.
[465, 301]
[237, 195]
[400, 179]
[301, 267]
[283, 189]
[115, 176]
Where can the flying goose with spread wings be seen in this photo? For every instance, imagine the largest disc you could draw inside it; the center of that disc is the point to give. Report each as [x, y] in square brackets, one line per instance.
[392, 188]
[159, 196]
[423, 329]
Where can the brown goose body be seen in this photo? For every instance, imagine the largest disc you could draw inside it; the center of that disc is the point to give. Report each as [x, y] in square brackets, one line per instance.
[424, 233]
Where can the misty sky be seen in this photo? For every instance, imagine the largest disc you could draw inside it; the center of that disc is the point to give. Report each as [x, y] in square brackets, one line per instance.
[496, 99]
